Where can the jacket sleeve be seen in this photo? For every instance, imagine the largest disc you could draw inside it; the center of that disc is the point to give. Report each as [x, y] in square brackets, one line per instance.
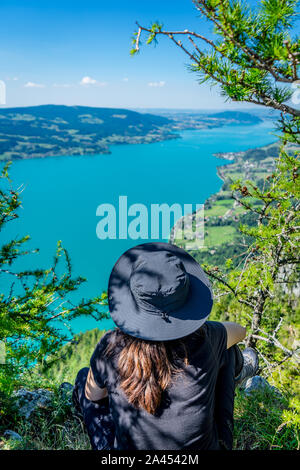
[98, 362]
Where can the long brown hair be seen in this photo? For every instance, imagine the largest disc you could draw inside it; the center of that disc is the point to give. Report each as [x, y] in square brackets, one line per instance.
[146, 368]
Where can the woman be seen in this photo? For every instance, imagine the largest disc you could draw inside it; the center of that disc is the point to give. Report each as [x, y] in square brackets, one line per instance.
[165, 377]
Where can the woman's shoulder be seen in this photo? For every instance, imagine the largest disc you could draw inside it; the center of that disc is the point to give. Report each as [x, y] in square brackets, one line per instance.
[103, 343]
[107, 335]
[109, 344]
[210, 331]
[214, 328]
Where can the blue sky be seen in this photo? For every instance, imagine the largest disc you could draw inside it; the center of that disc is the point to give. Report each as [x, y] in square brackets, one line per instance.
[77, 53]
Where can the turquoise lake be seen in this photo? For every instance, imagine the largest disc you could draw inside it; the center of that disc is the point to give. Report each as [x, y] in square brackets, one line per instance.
[61, 195]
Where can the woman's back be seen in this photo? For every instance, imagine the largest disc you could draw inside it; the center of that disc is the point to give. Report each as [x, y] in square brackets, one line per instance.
[185, 417]
[169, 373]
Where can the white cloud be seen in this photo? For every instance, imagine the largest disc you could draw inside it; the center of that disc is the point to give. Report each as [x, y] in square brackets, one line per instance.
[91, 81]
[125, 79]
[34, 85]
[157, 84]
[88, 81]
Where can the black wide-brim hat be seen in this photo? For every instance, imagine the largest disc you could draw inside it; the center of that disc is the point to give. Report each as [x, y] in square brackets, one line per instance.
[158, 292]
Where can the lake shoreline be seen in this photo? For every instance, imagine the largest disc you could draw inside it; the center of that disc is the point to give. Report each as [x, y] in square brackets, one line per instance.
[242, 168]
[144, 140]
[57, 130]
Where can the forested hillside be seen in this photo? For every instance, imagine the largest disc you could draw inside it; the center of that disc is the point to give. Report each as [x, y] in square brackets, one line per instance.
[54, 130]
[50, 130]
[64, 365]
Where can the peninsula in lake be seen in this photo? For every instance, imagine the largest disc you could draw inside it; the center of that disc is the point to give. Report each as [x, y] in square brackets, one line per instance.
[55, 130]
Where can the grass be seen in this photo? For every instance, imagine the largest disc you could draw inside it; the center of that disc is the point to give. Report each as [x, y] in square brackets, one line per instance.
[262, 422]
[213, 236]
[217, 235]
[219, 208]
[54, 428]
[234, 175]
[49, 436]
[265, 422]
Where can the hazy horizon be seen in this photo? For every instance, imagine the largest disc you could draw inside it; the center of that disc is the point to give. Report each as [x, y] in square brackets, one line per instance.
[253, 109]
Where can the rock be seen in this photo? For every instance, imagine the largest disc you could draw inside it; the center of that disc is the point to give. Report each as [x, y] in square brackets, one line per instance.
[28, 401]
[259, 383]
[9, 434]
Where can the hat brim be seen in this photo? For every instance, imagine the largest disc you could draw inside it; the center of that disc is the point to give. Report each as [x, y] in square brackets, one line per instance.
[134, 321]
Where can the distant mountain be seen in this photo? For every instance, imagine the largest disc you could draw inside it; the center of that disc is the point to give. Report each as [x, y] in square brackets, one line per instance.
[238, 117]
[54, 130]
[200, 120]
[48, 130]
